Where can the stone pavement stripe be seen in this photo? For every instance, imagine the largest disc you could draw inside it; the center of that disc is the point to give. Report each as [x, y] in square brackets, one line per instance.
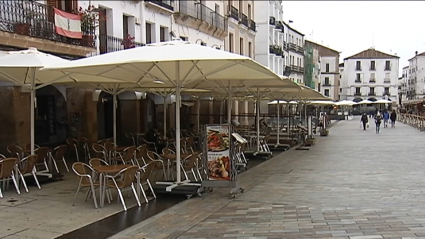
[351, 184]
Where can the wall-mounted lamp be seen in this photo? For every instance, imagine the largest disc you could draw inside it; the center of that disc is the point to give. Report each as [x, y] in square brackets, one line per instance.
[202, 42]
[172, 34]
[216, 46]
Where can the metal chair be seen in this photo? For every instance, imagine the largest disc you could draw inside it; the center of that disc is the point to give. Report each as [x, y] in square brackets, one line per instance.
[85, 172]
[123, 180]
[7, 168]
[144, 174]
[59, 156]
[27, 168]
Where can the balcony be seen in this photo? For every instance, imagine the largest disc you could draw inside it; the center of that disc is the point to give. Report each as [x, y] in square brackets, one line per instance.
[279, 25]
[372, 68]
[386, 93]
[162, 3]
[358, 81]
[111, 44]
[327, 84]
[298, 69]
[252, 25]
[300, 49]
[357, 93]
[36, 20]
[275, 49]
[285, 46]
[188, 13]
[234, 13]
[371, 94]
[287, 71]
[272, 21]
[358, 68]
[292, 47]
[243, 19]
[387, 80]
[387, 68]
[372, 80]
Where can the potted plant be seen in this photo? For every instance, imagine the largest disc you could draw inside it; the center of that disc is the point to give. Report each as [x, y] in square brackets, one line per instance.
[128, 42]
[89, 22]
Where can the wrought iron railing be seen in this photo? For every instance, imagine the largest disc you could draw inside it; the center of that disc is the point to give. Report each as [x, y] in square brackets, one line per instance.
[244, 20]
[292, 46]
[200, 11]
[234, 13]
[163, 3]
[36, 20]
[111, 44]
[252, 25]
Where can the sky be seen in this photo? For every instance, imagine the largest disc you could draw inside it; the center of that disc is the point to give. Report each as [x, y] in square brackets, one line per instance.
[393, 27]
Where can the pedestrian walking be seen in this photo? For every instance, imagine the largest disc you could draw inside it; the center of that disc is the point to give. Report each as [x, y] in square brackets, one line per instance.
[364, 120]
[378, 120]
[393, 118]
[386, 117]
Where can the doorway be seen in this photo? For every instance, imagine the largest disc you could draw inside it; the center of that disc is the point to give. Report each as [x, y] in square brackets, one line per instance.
[105, 116]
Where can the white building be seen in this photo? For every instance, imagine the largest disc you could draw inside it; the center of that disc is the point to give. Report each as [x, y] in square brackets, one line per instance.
[404, 91]
[343, 87]
[371, 74]
[329, 77]
[271, 35]
[416, 78]
[295, 46]
[200, 22]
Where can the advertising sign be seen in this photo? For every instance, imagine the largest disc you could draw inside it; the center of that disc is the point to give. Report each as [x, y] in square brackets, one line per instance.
[218, 154]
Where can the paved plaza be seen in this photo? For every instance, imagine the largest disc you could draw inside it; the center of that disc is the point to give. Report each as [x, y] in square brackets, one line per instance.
[351, 184]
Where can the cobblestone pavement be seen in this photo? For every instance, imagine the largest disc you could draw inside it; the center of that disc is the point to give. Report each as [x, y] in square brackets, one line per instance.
[351, 184]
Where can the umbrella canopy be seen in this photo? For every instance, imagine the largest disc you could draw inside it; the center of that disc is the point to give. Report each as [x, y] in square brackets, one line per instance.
[321, 102]
[365, 102]
[383, 101]
[275, 102]
[177, 63]
[345, 102]
[305, 94]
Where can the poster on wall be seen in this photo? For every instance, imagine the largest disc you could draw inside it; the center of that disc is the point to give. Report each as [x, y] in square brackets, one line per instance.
[218, 153]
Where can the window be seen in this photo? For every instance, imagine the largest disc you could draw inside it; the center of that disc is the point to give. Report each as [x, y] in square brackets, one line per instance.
[358, 77]
[357, 91]
[250, 49]
[387, 78]
[124, 26]
[148, 33]
[372, 65]
[387, 91]
[327, 67]
[326, 81]
[372, 77]
[231, 42]
[340, 90]
[162, 34]
[326, 92]
[241, 46]
[387, 66]
[318, 87]
[358, 66]
[372, 91]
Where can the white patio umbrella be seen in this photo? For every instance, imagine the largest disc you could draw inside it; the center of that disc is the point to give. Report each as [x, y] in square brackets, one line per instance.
[178, 63]
[321, 102]
[345, 102]
[22, 68]
[365, 102]
[383, 101]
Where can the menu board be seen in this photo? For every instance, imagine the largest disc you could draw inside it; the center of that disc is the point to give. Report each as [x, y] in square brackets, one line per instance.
[218, 153]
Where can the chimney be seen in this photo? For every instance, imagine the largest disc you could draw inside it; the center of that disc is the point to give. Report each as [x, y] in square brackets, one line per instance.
[416, 53]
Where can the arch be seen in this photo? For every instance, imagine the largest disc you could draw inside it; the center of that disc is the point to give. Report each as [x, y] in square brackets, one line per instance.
[357, 99]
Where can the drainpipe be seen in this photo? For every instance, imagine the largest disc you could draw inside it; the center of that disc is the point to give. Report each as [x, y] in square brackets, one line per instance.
[142, 22]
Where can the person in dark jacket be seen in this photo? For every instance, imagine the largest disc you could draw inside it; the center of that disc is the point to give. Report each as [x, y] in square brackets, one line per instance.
[364, 120]
[153, 136]
[393, 118]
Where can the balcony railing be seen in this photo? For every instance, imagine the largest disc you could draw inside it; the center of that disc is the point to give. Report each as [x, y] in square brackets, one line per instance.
[371, 94]
[111, 44]
[358, 81]
[234, 13]
[243, 19]
[252, 25]
[204, 13]
[358, 68]
[357, 93]
[372, 80]
[372, 68]
[386, 93]
[36, 20]
[387, 68]
[300, 49]
[279, 25]
[272, 21]
[163, 3]
[292, 47]
[297, 69]
[387, 80]
[276, 49]
[326, 84]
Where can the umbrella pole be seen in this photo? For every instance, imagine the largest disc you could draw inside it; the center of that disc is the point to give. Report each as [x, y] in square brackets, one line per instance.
[198, 111]
[178, 149]
[32, 111]
[114, 99]
[229, 108]
[165, 116]
[258, 120]
[278, 125]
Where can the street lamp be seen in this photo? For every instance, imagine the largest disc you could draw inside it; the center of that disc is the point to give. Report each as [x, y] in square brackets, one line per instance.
[216, 46]
[202, 42]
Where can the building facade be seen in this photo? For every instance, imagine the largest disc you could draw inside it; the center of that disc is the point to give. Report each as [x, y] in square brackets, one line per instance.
[416, 76]
[343, 87]
[329, 81]
[372, 75]
[404, 91]
[295, 58]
